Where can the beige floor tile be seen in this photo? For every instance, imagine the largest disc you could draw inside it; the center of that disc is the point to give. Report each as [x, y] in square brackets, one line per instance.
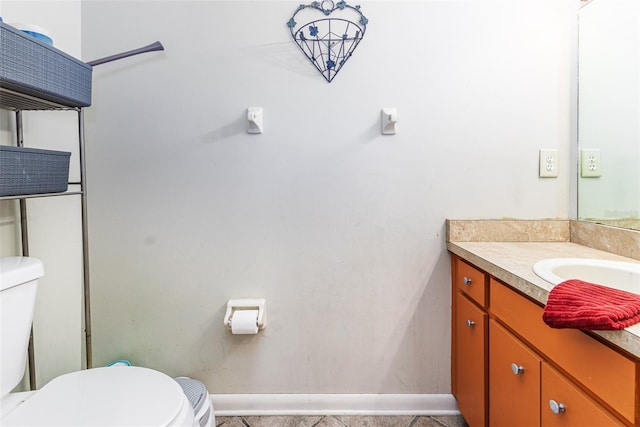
[342, 421]
[427, 422]
[451, 420]
[330, 421]
[440, 421]
[289, 421]
[229, 422]
[377, 421]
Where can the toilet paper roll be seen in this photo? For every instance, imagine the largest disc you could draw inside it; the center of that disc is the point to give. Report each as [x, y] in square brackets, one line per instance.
[244, 322]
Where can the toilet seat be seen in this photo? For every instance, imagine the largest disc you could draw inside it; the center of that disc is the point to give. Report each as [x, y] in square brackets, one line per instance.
[112, 396]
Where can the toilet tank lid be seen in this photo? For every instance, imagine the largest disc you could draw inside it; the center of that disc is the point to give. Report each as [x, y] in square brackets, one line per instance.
[18, 270]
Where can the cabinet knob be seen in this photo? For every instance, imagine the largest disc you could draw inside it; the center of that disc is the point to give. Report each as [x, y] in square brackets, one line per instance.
[557, 408]
[470, 323]
[517, 369]
[466, 281]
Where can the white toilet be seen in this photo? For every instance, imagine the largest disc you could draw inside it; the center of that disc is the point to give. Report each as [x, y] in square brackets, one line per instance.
[109, 396]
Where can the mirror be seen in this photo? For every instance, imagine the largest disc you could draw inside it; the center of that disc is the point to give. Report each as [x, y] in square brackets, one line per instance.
[609, 112]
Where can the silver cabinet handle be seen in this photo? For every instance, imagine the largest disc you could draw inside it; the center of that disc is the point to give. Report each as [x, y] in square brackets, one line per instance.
[557, 408]
[470, 323]
[466, 281]
[517, 369]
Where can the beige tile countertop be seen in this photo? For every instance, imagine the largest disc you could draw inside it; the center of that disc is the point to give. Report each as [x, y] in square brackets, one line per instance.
[527, 242]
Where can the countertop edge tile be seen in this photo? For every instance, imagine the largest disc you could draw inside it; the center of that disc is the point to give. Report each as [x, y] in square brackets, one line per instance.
[617, 240]
[509, 230]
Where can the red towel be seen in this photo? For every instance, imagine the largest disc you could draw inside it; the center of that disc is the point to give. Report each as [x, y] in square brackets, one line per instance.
[583, 305]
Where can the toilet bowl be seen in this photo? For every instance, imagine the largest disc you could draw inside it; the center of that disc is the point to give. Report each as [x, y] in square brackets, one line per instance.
[118, 396]
[108, 396]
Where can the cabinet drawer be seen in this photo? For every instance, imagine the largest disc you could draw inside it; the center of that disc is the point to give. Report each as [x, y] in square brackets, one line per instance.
[577, 408]
[514, 391]
[607, 373]
[471, 360]
[472, 282]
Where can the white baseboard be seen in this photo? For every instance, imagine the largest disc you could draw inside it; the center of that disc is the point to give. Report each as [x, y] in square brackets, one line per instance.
[333, 404]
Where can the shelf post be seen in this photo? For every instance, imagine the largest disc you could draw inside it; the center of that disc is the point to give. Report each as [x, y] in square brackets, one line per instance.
[24, 231]
[85, 242]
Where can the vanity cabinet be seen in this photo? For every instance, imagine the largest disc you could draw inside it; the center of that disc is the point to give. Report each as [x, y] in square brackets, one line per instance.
[564, 404]
[471, 360]
[536, 375]
[514, 380]
[470, 338]
[526, 391]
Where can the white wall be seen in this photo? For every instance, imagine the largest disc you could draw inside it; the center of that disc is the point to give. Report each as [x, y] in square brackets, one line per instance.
[54, 222]
[339, 227]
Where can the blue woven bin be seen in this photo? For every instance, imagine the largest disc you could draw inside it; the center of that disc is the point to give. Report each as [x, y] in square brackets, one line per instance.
[32, 67]
[25, 171]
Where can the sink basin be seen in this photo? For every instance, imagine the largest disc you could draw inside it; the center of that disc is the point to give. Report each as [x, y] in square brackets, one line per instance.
[614, 274]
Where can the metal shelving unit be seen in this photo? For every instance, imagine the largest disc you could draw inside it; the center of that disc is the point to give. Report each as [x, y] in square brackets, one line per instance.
[19, 102]
[35, 68]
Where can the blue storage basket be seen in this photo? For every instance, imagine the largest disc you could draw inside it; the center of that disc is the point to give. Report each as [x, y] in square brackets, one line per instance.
[35, 68]
[25, 171]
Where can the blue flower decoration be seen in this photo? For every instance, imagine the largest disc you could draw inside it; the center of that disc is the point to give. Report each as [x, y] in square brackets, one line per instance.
[345, 36]
[330, 64]
[341, 5]
[363, 20]
[313, 30]
[291, 23]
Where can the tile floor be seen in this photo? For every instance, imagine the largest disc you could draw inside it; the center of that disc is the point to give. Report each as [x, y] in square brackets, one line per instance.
[342, 421]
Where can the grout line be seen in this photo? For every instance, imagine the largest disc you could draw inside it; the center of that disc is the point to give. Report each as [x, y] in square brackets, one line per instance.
[338, 419]
[443, 425]
[319, 421]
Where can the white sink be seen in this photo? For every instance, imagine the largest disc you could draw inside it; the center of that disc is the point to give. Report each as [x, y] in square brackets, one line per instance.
[614, 274]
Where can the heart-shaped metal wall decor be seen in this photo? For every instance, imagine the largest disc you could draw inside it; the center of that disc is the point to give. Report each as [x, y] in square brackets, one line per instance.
[328, 33]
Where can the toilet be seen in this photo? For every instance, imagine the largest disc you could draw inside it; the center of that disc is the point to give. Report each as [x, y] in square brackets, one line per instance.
[106, 396]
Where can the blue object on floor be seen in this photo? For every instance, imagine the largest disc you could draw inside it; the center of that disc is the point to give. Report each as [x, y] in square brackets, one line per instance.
[120, 362]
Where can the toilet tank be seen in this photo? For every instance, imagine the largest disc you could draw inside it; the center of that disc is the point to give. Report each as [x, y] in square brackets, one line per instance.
[18, 284]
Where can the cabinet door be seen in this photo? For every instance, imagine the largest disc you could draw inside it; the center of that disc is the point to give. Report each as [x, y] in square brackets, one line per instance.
[514, 380]
[565, 405]
[471, 361]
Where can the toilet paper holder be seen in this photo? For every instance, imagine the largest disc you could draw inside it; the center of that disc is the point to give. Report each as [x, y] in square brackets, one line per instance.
[247, 304]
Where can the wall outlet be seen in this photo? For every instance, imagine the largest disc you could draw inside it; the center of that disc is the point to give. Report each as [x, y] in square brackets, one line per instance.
[548, 163]
[590, 163]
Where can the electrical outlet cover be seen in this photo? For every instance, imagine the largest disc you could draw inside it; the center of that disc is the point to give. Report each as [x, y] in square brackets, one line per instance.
[590, 163]
[548, 163]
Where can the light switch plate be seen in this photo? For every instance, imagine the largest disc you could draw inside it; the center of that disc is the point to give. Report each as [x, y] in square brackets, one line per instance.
[389, 121]
[548, 163]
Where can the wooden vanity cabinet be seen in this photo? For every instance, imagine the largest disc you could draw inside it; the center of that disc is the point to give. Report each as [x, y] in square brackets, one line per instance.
[610, 376]
[469, 342]
[526, 391]
[527, 369]
[564, 405]
[514, 380]
[471, 360]
[472, 282]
